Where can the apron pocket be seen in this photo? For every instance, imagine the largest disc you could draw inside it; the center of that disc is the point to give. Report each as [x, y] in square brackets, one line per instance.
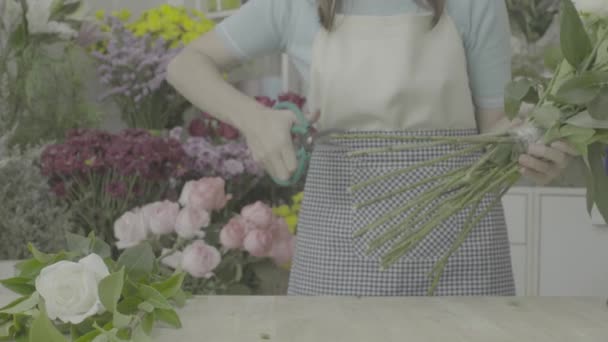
[433, 246]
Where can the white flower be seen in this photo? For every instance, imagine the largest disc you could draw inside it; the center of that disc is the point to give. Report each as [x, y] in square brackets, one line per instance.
[38, 17]
[130, 229]
[596, 7]
[70, 289]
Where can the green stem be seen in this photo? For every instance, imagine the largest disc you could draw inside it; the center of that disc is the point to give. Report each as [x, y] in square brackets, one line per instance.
[433, 192]
[394, 148]
[409, 187]
[405, 246]
[470, 224]
[178, 244]
[416, 166]
[474, 139]
[405, 227]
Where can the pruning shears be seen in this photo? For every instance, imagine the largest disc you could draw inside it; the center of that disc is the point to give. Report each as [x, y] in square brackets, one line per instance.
[303, 134]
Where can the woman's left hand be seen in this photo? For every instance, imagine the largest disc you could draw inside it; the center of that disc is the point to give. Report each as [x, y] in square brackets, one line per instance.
[543, 164]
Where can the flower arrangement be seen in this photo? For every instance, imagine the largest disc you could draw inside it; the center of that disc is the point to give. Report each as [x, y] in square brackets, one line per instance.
[100, 174]
[134, 69]
[37, 48]
[85, 293]
[570, 107]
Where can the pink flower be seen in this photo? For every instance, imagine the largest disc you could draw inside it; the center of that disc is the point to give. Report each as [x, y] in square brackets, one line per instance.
[282, 250]
[280, 229]
[233, 233]
[258, 242]
[130, 229]
[161, 216]
[199, 259]
[259, 214]
[266, 101]
[206, 193]
[198, 128]
[190, 221]
[227, 132]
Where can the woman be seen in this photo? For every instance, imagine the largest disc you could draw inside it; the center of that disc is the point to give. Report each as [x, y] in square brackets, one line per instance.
[417, 67]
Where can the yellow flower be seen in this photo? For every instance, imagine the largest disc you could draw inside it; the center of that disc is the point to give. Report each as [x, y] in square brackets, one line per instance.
[298, 197]
[123, 15]
[100, 15]
[292, 222]
[282, 211]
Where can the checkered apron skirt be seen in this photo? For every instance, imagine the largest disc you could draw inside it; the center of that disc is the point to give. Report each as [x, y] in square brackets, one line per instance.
[329, 260]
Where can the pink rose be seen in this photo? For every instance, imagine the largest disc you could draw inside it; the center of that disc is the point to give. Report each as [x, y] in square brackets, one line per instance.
[227, 131]
[207, 193]
[232, 234]
[258, 242]
[198, 128]
[199, 259]
[130, 229]
[282, 250]
[190, 221]
[161, 216]
[280, 229]
[259, 214]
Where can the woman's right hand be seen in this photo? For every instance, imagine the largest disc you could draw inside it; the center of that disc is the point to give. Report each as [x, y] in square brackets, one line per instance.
[268, 135]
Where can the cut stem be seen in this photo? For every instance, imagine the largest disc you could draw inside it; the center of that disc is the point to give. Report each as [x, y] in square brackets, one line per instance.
[416, 166]
[394, 148]
[410, 187]
[475, 139]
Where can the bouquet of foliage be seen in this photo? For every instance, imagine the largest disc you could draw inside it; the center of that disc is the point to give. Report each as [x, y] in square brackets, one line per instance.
[571, 107]
[37, 48]
[29, 212]
[133, 68]
[86, 294]
[102, 174]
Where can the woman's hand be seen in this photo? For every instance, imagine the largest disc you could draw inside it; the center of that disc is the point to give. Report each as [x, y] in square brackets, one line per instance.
[543, 164]
[268, 135]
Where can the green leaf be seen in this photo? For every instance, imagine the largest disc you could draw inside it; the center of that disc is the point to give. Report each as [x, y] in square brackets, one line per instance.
[598, 107]
[579, 137]
[600, 180]
[180, 298]
[88, 337]
[138, 260]
[18, 38]
[553, 57]
[29, 268]
[22, 306]
[129, 305]
[502, 154]
[120, 321]
[575, 43]
[22, 286]
[150, 295]
[78, 243]
[546, 116]
[139, 335]
[146, 307]
[581, 89]
[43, 330]
[584, 120]
[110, 289]
[147, 322]
[38, 255]
[170, 317]
[101, 248]
[169, 287]
[515, 92]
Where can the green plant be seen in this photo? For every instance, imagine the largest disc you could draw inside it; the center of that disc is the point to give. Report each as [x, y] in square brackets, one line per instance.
[29, 212]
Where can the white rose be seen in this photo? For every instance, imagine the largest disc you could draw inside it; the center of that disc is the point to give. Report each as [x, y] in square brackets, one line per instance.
[596, 7]
[130, 229]
[70, 290]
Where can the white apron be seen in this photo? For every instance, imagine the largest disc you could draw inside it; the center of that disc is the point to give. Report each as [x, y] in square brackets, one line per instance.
[389, 74]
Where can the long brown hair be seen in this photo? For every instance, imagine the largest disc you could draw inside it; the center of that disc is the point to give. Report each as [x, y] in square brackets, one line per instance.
[327, 10]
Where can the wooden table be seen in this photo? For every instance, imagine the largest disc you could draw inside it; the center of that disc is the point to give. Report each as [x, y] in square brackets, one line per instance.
[327, 319]
[321, 319]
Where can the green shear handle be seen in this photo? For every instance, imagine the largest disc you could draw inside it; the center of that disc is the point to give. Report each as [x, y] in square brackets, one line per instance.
[301, 129]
